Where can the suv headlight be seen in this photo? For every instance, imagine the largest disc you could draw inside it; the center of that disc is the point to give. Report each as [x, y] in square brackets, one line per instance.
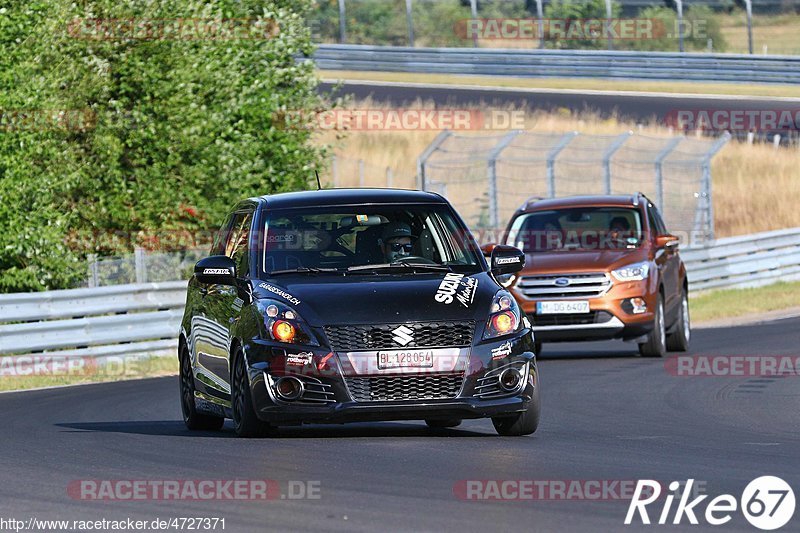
[284, 324]
[504, 316]
[634, 272]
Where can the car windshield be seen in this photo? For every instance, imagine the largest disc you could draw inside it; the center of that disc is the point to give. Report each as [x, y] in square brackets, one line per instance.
[582, 228]
[363, 239]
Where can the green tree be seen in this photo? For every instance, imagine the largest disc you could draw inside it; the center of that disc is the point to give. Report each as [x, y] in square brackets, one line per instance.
[173, 130]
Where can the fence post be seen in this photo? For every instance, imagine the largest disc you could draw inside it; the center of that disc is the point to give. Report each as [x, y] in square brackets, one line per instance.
[473, 9]
[94, 277]
[748, 4]
[494, 212]
[423, 159]
[410, 23]
[540, 18]
[608, 24]
[616, 145]
[361, 173]
[679, 5]
[389, 177]
[671, 144]
[551, 162]
[335, 171]
[709, 207]
[139, 261]
[342, 23]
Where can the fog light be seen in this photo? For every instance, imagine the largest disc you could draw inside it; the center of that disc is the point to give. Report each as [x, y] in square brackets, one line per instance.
[639, 305]
[289, 388]
[509, 379]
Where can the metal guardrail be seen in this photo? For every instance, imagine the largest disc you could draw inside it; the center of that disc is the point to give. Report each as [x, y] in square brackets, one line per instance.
[746, 261]
[117, 320]
[561, 63]
[145, 318]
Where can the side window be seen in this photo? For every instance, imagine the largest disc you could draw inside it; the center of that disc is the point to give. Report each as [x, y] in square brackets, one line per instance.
[654, 219]
[237, 244]
[221, 237]
[662, 228]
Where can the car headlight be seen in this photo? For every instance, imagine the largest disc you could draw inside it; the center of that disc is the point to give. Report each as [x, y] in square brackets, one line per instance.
[634, 272]
[504, 316]
[284, 324]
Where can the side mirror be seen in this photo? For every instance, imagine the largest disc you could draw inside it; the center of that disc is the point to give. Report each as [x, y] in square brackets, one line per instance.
[506, 260]
[216, 270]
[667, 241]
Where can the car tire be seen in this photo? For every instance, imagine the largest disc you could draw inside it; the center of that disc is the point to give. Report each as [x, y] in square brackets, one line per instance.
[656, 345]
[523, 423]
[446, 423]
[245, 422]
[194, 421]
[678, 340]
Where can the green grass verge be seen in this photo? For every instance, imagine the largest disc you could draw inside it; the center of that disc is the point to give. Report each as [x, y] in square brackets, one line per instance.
[149, 367]
[730, 303]
[734, 89]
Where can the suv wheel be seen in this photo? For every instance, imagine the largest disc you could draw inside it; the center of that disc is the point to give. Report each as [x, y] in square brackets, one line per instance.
[193, 419]
[656, 345]
[245, 421]
[678, 340]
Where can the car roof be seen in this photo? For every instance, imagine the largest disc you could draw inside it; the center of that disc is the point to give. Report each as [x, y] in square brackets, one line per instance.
[328, 197]
[605, 200]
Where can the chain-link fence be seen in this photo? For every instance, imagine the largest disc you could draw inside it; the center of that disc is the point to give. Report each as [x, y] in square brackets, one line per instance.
[143, 267]
[488, 177]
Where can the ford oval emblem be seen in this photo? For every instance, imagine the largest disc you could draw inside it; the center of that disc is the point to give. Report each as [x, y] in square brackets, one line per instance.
[561, 282]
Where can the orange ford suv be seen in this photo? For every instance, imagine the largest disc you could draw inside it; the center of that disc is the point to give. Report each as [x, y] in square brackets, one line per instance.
[600, 267]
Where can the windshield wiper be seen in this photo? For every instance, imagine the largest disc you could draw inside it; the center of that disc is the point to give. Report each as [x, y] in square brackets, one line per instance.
[401, 265]
[306, 270]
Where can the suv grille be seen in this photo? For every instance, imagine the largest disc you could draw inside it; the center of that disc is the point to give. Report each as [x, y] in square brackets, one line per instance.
[568, 286]
[592, 317]
[382, 336]
[387, 388]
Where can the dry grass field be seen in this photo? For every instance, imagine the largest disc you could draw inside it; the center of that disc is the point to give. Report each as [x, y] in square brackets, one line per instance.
[756, 187]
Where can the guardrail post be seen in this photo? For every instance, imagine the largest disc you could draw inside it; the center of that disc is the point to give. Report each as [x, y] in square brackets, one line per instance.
[423, 159]
[139, 261]
[671, 144]
[491, 170]
[616, 145]
[551, 162]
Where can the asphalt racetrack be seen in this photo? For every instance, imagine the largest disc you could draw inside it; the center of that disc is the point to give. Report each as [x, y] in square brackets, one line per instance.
[644, 107]
[607, 415]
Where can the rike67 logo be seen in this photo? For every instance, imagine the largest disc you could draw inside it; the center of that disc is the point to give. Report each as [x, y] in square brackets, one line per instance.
[767, 503]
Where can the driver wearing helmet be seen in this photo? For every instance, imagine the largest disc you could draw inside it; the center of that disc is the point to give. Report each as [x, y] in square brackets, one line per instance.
[396, 241]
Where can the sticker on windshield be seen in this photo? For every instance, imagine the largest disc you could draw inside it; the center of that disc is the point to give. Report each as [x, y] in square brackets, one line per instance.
[456, 287]
[283, 294]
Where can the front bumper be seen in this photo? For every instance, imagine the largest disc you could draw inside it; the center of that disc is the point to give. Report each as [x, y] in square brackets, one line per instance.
[338, 405]
[617, 320]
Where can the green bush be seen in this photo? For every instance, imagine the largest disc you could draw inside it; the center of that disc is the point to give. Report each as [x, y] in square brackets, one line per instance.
[175, 130]
[700, 25]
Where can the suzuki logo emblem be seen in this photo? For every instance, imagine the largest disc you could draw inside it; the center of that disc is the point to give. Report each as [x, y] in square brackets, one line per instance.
[403, 335]
[561, 282]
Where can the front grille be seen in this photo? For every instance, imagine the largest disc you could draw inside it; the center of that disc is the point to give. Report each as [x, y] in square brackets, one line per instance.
[388, 388]
[568, 285]
[592, 317]
[382, 336]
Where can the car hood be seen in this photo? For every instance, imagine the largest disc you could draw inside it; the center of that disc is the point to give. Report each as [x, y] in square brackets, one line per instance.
[373, 299]
[566, 261]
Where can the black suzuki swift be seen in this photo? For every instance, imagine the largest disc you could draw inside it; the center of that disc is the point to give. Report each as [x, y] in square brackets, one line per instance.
[354, 305]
